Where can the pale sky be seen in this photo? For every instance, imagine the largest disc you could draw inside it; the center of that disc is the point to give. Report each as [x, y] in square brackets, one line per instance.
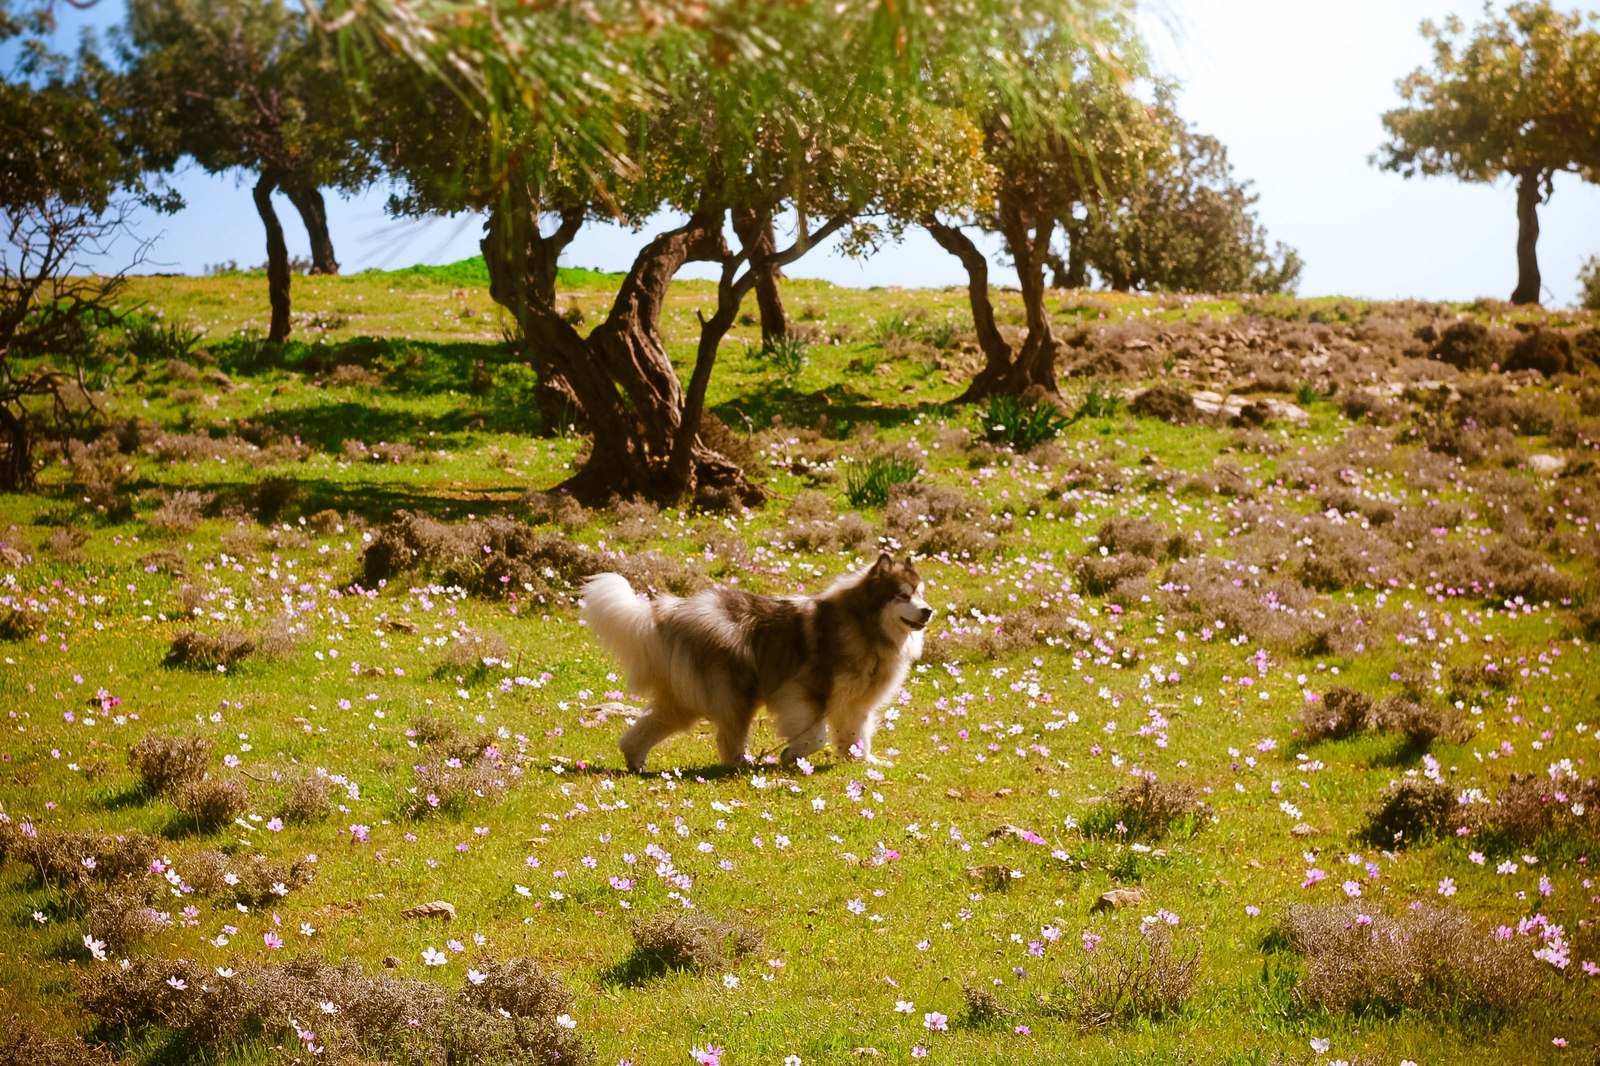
[1294, 89]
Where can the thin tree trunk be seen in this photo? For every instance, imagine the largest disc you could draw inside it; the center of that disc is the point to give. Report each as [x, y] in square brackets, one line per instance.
[307, 200]
[1528, 282]
[16, 465]
[277, 260]
[1035, 365]
[755, 231]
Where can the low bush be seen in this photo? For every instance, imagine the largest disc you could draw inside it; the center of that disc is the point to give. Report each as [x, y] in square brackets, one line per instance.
[1128, 977]
[211, 802]
[1412, 810]
[1021, 424]
[1468, 345]
[194, 650]
[691, 940]
[163, 763]
[1433, 959]
[1167, 404]
[1340, 713]
[1147, 810]
[867, 484]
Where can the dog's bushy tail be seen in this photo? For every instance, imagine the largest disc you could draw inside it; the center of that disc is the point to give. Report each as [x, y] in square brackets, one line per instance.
[626, 626]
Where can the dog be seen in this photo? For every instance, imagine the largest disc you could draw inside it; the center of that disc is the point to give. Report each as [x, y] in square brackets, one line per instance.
[819, 663]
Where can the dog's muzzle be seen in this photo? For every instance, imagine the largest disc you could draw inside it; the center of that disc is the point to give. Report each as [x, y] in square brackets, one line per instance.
[922, 619]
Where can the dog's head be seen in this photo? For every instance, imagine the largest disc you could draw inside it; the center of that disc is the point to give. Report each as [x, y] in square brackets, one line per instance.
[896, 586]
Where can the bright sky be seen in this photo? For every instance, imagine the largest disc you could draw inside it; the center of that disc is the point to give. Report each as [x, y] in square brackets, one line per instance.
[1294, 89]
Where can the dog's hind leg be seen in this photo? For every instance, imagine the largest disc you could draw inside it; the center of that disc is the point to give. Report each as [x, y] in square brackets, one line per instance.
[733, 742]
[799, 722]
[661, 722]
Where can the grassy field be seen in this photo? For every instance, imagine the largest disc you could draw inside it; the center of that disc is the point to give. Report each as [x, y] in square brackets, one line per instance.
[1127, 687]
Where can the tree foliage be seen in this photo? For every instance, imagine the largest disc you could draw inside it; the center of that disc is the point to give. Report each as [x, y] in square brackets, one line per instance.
[1518, 97]
[1185, 224]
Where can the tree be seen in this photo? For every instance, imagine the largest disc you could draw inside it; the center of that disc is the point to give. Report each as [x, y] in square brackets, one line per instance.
[245, 85]
[1053, 138]
[1184, 224]
[64, 185]
[1519, 98]
[730, 140]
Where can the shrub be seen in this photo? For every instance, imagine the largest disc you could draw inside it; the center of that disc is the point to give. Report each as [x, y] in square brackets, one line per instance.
[194, 650]
[1530, 808]
[1167, 404]
[181, 511]
[23, 1043]
[122, 917]
[1420, 725]
[1547, 351]
[1021, 424]
[895, 327]
[1432, 959]
[785, 353]
[1147, 810]
[271, 495]
[57, 856]
[309, 799]
[490, 557]
[1100, 575]
[162, 763]
[983, 1006]
[520, 987]
[1144, 537]
[211, 801]
[1589, 284]
[691, 940]
[1412, 810]
[930, 520]
[1468, 345]
[1127, 977]
[151, 340]
[867, 484]
[1340, 712]
[1099, 402]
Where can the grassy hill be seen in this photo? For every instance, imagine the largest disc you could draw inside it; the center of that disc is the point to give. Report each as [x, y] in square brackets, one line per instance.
[1314, 676]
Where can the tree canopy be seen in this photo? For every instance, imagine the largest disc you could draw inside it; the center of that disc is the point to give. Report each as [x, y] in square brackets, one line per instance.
[1518, 96]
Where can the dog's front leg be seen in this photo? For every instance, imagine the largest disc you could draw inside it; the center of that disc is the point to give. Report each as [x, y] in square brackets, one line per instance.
[799, 722]
[852, 734]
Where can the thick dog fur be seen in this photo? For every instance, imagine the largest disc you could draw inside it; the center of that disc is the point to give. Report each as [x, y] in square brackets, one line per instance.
[819, 663]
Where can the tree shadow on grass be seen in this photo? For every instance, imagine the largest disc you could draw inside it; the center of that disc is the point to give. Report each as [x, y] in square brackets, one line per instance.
[326, 426]
[839, 406]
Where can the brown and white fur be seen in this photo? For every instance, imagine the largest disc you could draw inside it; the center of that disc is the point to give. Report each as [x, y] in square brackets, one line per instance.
[820, 664]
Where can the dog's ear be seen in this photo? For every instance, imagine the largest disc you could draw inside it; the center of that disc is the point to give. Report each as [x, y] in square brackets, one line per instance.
[885, 561]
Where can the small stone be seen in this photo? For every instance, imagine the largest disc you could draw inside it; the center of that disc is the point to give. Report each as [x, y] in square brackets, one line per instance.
[391, 963]
[437, 909]
[1546, 464]
[1303, 830]
[1116, 899]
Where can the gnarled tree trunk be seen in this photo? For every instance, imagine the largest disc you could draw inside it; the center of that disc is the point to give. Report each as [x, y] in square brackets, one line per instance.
[277, 259]
[307, 200]
[1006, 372]
[1528, 281]
[522, 265]
[16, 458]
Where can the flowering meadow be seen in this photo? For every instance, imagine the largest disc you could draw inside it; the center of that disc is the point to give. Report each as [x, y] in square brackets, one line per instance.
[1258, 723]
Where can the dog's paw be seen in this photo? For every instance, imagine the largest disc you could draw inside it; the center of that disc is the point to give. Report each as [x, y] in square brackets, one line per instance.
[873, 760]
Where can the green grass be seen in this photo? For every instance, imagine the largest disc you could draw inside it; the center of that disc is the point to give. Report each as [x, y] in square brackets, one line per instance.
[1028, 737]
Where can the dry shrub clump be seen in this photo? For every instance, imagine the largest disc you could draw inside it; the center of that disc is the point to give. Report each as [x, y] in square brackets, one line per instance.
[457, 770]
[811, 525]
[1432, 959]
[24, 1043]
[1103, 574]
[1469, 345]
[212, 802]
[1530, 808]
[253, 881]
[1340, 713]
[57, 856]
[122, 916]
[474, 652]
[1420, 725]
[1128, 976]
[931, 520]
[310, 799]
[1547, 351]
[1147, 810]
[194, 650]
[402, 1020]
[691, 940]
[163, 763]
[1144, 537]
[181, 511]
[1245, 599]
[554, 509]
[1412, 810]
[496, 556]
[1167, 404]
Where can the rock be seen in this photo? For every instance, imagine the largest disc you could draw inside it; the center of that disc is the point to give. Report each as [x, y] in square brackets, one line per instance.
[391, 963]
[954, 793]
[1116, 899]
[993, 875]
[1016, 833]
[1216, 405]
[402, 625]
[437, 909]
[1303, 830]
[1546, 464]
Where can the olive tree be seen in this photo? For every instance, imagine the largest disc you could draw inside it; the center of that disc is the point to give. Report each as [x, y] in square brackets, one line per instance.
[1518, 96]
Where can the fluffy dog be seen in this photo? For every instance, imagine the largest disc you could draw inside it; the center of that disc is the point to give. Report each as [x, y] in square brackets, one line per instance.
[819, 663]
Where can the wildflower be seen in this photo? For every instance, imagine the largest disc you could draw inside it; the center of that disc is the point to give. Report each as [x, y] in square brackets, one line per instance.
[936, 1021]
[904, 1006]
[177, 982]
[566, 1021]
[434, 957]
[730, 981]
[272, 940]
[710, 1055]
[477, 977]
[1319, 1044]
[1447, 887]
